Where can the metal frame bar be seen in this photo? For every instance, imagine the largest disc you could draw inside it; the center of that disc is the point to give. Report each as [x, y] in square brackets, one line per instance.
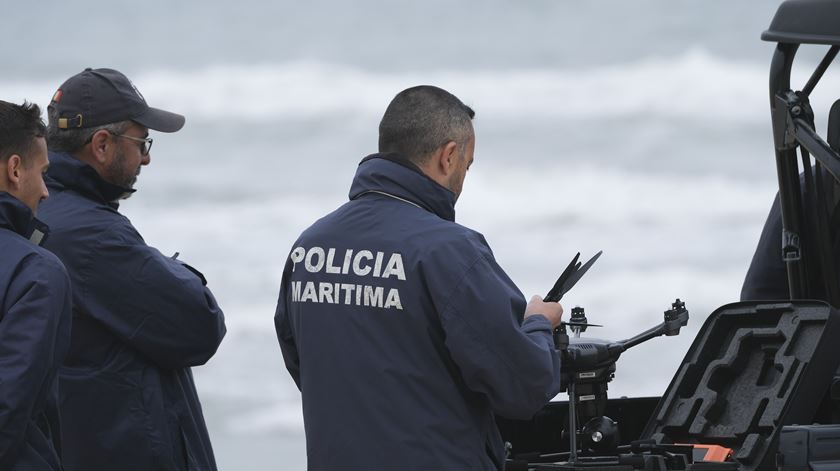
[817, 147]
[787, 169]
[805, 240]
[817, 75]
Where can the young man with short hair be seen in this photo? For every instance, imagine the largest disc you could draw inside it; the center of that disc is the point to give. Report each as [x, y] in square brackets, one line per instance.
[35, 303]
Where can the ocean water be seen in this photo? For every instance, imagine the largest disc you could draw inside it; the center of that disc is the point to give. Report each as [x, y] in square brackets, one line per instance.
[637, 128]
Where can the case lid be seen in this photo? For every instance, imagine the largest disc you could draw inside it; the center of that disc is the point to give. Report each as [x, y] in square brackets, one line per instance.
[753, 367]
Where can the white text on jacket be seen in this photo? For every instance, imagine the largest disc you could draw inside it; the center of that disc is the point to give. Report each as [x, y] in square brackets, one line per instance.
[361, 263]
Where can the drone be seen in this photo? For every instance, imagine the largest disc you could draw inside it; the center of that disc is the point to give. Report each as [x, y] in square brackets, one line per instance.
[588, 364]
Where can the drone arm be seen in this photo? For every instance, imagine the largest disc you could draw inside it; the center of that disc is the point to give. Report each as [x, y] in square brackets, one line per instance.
[675, 318]
[643, 337]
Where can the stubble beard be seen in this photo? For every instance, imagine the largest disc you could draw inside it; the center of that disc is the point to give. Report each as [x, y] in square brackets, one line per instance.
[119, 174]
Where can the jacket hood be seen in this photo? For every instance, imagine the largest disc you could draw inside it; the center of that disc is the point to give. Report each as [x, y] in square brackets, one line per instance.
[17, 217]
[394, 175]
[71, 173]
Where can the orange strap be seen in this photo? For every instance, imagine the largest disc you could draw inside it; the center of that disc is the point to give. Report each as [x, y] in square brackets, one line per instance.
[714, 453]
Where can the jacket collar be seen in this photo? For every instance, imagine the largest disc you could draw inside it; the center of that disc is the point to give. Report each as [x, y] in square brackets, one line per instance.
[395, 176]
[71, 173]
[18, 218]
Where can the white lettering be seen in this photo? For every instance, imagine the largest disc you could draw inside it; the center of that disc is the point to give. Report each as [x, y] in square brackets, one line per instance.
[374, 295]
[361, 263]
[393, 299]
[357, 262]
[315, 267]
[348, 257]
[309, 293]
[297, 256]
[348, 292]
[395, 267]
[377, 265]
[330, 258]
[331, 293]
[325, 293]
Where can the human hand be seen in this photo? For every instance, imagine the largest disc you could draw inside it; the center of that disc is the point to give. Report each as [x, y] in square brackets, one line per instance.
[552, 311]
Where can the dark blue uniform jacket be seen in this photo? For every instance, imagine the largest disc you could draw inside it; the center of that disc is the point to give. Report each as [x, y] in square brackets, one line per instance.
[34, 336]
[140, 321]
[767, 276]
[404, 335]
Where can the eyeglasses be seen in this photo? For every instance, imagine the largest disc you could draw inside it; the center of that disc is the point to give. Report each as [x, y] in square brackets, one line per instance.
[147, 142]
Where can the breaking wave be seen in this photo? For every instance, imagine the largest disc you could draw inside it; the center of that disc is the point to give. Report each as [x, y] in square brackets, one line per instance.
[693, 85]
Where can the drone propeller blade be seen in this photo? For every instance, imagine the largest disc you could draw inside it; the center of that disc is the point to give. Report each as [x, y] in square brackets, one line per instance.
[577, 275]
[580, 324]
[561, 280]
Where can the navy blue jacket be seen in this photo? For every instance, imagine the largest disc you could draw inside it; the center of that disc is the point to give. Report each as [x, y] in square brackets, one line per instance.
[767, 278]
[404, 335]
[140, 321]
[34, 337]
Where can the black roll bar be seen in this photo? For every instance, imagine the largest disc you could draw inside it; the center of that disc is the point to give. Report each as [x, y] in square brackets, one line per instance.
[806, 247]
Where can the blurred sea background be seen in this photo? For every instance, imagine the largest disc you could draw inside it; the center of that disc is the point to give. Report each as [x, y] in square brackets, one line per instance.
[637, 128]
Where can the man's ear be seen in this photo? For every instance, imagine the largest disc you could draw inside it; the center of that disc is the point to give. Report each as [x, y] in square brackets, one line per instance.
[100, 144]
[448, 157]
[14, 170]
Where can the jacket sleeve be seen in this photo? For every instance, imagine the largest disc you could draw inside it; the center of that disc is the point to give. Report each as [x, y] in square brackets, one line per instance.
[152, 302]
[284, 330]
[39, 295]
[514, 364]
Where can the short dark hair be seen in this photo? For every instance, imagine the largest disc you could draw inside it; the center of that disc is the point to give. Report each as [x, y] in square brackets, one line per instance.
[73, 139]
[20, 125]
[421, 119]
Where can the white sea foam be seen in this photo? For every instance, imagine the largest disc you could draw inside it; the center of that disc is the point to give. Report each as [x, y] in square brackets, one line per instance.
[694, 85]
[553, 205]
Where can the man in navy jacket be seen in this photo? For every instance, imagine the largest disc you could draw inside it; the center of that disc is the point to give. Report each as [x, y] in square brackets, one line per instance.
[34, 300]
[141, 319]
[402, 332]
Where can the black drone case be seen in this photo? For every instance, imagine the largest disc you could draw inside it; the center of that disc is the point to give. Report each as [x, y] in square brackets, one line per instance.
[753, 368]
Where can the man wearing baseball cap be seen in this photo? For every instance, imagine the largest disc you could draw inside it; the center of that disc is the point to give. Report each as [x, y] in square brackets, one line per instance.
[141, 319]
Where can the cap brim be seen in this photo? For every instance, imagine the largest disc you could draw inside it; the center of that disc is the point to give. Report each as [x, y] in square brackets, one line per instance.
[160, 120]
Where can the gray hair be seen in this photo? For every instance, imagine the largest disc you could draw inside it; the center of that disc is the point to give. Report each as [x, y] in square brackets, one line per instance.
[72, 140]
[421, 119]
